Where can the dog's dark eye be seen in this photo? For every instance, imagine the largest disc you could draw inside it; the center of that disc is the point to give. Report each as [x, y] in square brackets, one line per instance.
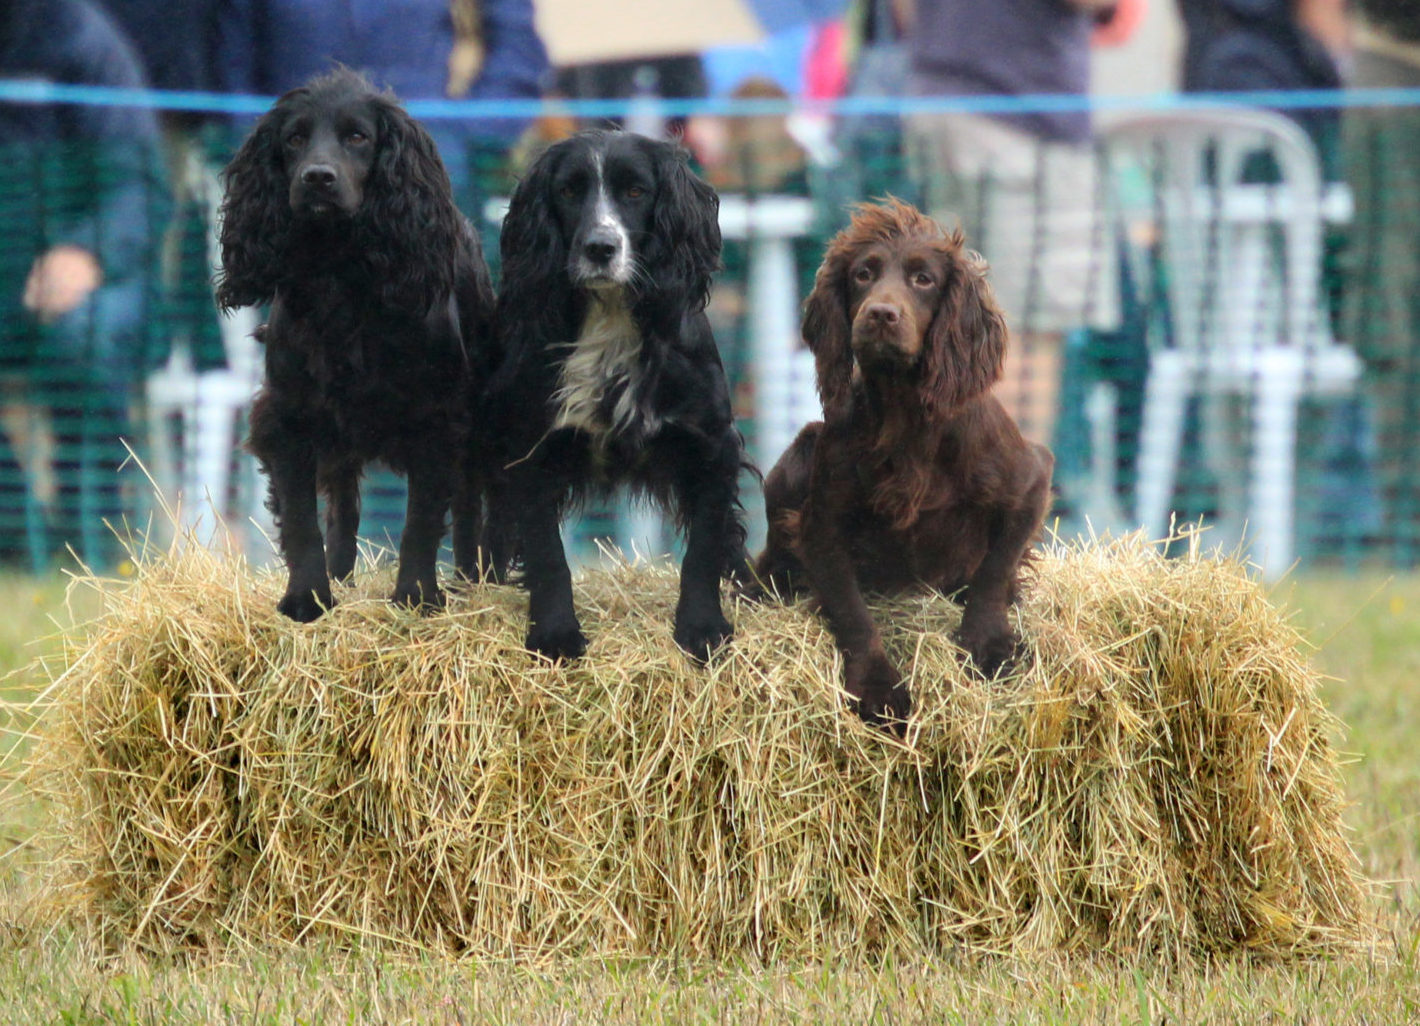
[635, 192]
[356, 138]
[296, 141]
[863, 274]
[923, 280]
[567, 192]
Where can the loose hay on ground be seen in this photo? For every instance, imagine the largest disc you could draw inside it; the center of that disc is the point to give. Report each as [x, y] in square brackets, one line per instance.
[1160, 780]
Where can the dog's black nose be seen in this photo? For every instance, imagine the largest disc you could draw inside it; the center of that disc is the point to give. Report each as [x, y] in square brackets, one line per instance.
[320, 175]
[600, 248]
[882, 313]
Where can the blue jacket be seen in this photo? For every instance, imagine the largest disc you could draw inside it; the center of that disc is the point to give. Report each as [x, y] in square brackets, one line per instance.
[269, 46]
[174, 40]
[71, 173]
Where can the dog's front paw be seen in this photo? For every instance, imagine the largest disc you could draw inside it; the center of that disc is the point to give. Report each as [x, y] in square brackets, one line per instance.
[306, 605]
[420, 595]
[769, 580]
[340, 561]
[888, 709]
[701, 638]
[878, 695]
[482, 568]
[752, 590]
[991, 645]
[557, 641]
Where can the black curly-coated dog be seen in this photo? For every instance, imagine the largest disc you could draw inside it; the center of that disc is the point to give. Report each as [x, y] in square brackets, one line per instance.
[610, 372]
[339, 214]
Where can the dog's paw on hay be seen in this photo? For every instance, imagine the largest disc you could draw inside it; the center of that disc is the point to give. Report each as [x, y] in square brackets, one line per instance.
[1158, 777]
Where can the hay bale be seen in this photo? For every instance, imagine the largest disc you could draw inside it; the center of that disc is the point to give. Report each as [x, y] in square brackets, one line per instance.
[1159, 780]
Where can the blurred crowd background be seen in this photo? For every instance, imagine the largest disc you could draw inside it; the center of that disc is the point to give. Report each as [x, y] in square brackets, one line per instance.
[1202, 219]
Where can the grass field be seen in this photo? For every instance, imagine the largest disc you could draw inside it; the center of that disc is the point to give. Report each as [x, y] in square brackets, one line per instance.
[1368, 633]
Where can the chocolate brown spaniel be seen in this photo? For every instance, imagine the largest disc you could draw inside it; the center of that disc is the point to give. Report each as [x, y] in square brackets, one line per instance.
[916, 475]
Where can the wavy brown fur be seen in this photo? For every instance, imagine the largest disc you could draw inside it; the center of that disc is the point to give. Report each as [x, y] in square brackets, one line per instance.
[916, 475]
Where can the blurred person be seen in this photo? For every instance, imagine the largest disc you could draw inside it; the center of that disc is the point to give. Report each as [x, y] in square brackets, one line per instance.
[755, 153]
[878, 64]
[203, 477]
[1246, 45]
[1382, 300]
[782, 56]
[79, 203]
[668, 77]
[1272, 45]
[1023, 186]
[421, 49]
[175, 43]
[1394, 26]
[774, 68]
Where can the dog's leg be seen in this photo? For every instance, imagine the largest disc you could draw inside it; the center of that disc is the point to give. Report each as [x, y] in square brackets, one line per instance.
[707, 491]
[430, 491]
[498, 545]
[777, 572]
[468, 522]
[872, 682]
[341, 484]
[700, 624]
[484, 529]
[553, 630]
[869, 677]
[786, 488]
[985, 630]
[292, 476]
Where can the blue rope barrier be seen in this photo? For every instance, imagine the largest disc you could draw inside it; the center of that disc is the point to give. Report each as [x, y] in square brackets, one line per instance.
[236, 104]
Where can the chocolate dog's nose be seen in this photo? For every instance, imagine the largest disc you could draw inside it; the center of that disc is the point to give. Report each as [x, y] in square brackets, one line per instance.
[882, 313]
[322, 175]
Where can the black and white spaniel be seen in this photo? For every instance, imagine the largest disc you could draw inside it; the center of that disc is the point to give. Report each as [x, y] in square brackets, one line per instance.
[339, 214]
[610, 372]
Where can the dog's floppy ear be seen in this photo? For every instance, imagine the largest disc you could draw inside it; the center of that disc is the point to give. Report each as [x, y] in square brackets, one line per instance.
[409, 214]
[530, 247]
[256, 215]
[532, 306]
[686, 223]
[966, 343]
[828, 333]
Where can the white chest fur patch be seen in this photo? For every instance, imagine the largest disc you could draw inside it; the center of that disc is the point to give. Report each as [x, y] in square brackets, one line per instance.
[598, 389]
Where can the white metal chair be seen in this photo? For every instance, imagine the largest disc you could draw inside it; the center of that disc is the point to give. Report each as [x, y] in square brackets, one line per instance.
[1243, 265]
[204, 409]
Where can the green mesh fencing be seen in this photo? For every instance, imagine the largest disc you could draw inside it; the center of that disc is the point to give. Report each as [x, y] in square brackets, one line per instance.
[147, 363]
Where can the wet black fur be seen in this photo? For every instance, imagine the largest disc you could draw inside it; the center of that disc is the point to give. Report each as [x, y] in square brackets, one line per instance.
[379, 334]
